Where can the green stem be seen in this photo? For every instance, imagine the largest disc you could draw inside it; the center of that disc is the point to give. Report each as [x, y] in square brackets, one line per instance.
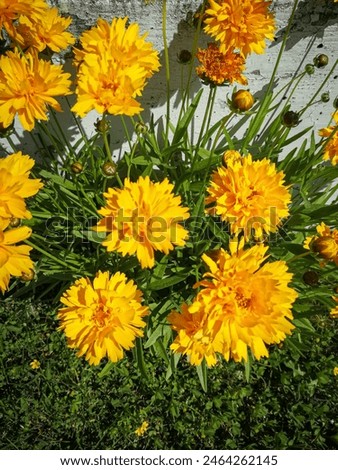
[41, 250]
[11, 143]
[167, 67]
[258, 118]
[294, 258]
[207, 116]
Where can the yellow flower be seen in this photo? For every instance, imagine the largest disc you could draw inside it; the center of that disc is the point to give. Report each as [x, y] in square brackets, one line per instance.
[243, 303]
[325, 244]
[240, 25]
[335, 370]
[27, 86]
[142, 429]
[35, 364]
[250, 195]
[331, 147]
[10, 10]
[14, 260]
[231, 155]
[218, 68]
[15, 185]
[114, 63]
[242, 100]
[334, 311]
[47, 30]
[143, 217]
[103, 318]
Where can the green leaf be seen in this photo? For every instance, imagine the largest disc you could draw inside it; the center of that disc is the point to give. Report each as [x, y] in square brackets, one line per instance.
[304, 324]
[140, 358]
[186, 119]
[105, 371]
[169, 281]
[203, 375]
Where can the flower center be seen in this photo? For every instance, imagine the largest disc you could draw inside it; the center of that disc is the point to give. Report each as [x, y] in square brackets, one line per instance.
[101, 315]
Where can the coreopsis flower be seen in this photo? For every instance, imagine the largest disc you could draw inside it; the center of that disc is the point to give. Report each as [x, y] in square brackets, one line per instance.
[47, 30]
[240, 25]
[15, 186]
[142, 429]
[243, 304]
[102, 318]
[250, 195]
[143, 217]
[28, 86]
[217, 68]
[10, 10]
[14, 259]
[331, 147]
[114, 63]
[325, 243]
[35, 364]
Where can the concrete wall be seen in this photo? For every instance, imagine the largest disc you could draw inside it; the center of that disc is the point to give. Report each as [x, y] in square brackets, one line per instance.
[315, 31]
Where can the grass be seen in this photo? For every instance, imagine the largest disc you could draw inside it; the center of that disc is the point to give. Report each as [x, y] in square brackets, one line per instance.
[290, 401]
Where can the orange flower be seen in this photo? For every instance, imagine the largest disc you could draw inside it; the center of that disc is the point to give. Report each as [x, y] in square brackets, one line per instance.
[218, 68]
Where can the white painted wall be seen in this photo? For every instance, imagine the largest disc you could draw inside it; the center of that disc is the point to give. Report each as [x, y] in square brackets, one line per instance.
[315, 31]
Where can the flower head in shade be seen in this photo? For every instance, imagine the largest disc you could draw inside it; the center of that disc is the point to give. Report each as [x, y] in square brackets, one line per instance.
[10, 10]
[325, 243]
[217, 68]
[114, 63]
[240, 25]
[102, 318]
[28, 86]
[331, 147]
[14, 259]
[143, 217]
[15, 186]
[250, 195]
[47, 30]
[243, 304]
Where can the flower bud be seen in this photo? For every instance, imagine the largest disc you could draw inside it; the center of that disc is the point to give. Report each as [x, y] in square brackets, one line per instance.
[141, 128]
[311, 278]
[28, 276]
[184, 57]
[109, 169]
[242, 100]
[321, 60]
[14, 222]
[102, 125]
[309, 69]
[325, 97]
[76, 167]
[335, 102]
[290, 119]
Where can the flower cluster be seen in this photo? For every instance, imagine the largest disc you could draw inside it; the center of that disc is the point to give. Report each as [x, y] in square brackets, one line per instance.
[242, 304]
[114, 62]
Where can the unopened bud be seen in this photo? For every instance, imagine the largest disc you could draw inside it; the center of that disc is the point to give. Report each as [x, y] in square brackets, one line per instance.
[102, 126]
[14, 222]
[311, 278]
[309, 69]
[184, 57]
[242, 100]
[76, 167]
[325, 97]
[321, 60]
[141, 128]
[109, 169]
[28, 276]
[290, 119]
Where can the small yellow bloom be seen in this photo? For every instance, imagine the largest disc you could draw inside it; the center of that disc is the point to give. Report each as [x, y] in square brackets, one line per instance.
[35, 364]
[249, 195]
[241, 25]
[331, 147]
[15, 186]
[244, 303]
[325, 244]
[217, 68]
[14, 259]
[334, 310]
[142, 429]
[102, 318]
[143, 217]
[335, 370]
[28, 86]
[242, 100]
